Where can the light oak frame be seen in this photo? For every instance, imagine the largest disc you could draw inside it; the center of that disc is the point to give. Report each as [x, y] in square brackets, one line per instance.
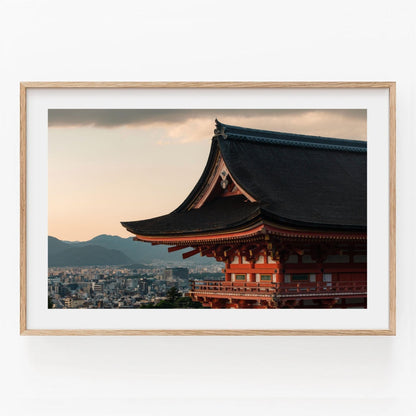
[391, 86]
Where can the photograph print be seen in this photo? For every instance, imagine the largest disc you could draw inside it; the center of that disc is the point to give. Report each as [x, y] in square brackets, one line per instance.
[207, 208]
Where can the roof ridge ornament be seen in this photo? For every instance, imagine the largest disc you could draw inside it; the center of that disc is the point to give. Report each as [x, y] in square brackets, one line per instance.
[288, 139]
[297, 143]
[219, 129]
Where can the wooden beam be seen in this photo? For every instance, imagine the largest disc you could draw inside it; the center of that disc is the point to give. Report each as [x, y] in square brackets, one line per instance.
[190, 253]
[254, 253]
[206, 251]
[230, 253]
[176, 248]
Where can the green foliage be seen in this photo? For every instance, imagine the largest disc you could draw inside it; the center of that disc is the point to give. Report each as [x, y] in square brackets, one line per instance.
[149, 305]
[174, 300]
[186, 302]
[173, 294]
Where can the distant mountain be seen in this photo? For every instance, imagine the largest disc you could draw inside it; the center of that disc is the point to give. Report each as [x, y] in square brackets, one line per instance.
[133, 251]
[87, 256]
[136, 250]
[55, 246]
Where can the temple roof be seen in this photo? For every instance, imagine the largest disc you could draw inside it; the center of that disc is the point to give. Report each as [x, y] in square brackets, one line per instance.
[218, 215]
[292, 180]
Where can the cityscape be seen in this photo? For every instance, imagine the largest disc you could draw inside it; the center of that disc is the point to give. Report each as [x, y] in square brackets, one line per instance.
[124, 286]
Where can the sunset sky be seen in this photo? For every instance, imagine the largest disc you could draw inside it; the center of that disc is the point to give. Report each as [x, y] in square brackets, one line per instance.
[107, 166]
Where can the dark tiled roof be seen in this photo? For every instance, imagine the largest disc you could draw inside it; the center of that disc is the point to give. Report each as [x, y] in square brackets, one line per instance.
[301, 180]
[298, 180]
[220, 214]
[287, 139]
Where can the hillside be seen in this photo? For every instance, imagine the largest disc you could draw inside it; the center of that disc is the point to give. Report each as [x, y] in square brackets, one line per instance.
[119, 251]
[63, 254]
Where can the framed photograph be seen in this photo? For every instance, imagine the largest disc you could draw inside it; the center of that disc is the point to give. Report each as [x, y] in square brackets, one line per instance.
[206, 208]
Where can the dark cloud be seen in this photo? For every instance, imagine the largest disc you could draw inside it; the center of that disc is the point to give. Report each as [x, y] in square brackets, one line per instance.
[108, 118]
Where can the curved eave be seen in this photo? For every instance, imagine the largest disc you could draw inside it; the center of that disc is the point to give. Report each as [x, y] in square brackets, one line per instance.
[312, 226]
[257, 232]
[201, 238]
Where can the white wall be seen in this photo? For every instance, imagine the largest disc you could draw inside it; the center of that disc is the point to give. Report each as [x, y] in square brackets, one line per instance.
[207, 40]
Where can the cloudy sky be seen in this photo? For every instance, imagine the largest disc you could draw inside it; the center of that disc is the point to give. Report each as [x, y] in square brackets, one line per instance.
[107, 166]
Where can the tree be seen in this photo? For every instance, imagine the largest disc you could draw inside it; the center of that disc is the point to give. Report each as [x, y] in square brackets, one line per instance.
[173, 294]
[186, 302]
[174, 300]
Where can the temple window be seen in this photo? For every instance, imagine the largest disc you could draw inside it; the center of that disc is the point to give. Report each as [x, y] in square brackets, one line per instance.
[360, 258]
[327, 278]
[296, 278]
[265, 277]
[299, 278]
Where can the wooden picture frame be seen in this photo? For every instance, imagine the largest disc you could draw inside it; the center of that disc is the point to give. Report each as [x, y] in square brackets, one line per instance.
[390, 87]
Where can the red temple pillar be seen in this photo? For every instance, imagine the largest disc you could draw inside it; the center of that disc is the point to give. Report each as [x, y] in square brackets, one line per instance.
[227, 272]
[252, 274]
[280, 275]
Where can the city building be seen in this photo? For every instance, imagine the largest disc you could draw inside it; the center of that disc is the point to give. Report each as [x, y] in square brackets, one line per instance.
[144, 287]
[175, 273]
[68, 302]
[97, 287]
[132, 283]
[285, 212]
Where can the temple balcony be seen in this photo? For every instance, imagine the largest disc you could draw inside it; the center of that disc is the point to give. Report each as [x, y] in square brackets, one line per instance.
[258, 291]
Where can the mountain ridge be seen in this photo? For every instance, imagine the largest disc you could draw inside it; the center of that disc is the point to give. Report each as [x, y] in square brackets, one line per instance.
[125, 251]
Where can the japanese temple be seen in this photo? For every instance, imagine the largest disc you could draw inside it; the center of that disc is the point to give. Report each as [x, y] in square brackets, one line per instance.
[287, 215]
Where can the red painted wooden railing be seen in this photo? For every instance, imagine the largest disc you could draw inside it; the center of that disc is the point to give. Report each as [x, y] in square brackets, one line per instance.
[279, 288]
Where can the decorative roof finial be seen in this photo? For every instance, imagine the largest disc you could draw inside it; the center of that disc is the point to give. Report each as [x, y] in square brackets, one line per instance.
[219, 129]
